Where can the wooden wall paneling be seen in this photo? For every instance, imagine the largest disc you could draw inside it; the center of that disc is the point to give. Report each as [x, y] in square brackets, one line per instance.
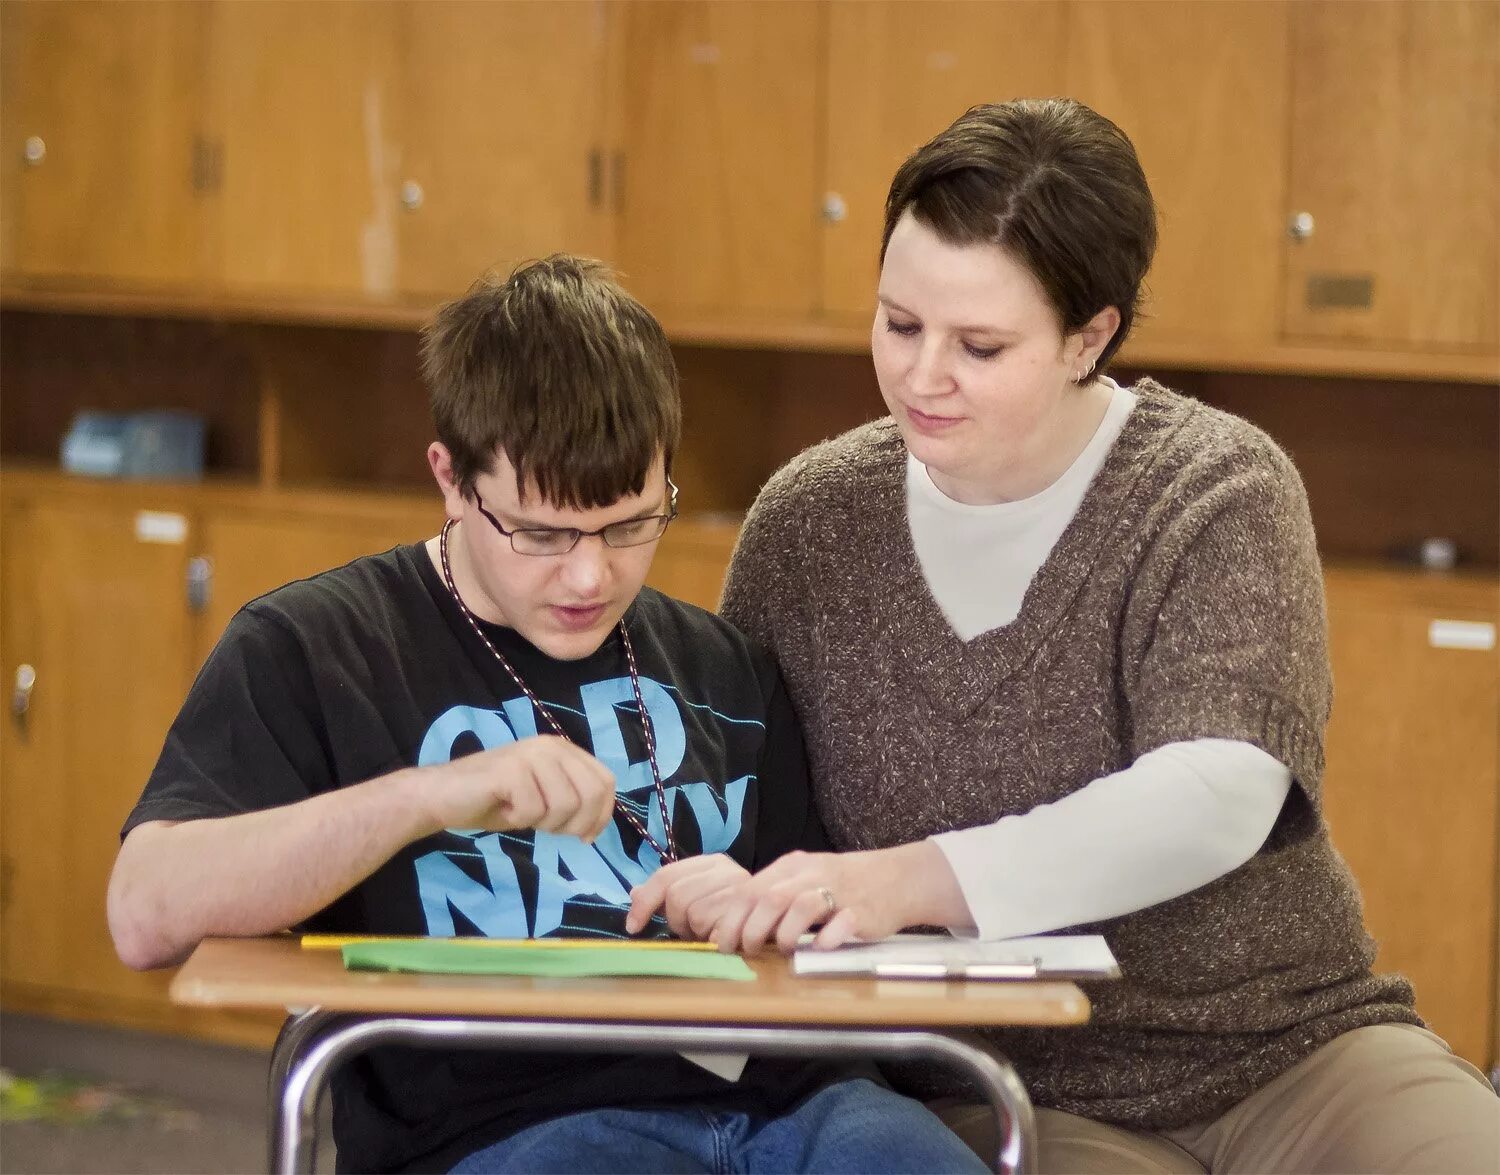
[1411, 789]
[302, 97]
[816, 397]
[1386, 464]
[348, 406]
[1396, 154]
[52, 366]
[1211, 134]
[898, 73]
[728, 420]
[114, 91]
[722, 176]
[501, 115]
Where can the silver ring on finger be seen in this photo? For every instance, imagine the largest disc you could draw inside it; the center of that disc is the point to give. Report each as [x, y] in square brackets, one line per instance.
[830, 903]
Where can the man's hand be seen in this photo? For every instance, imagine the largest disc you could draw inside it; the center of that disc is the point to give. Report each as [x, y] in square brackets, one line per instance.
[546, 783]
[694, 891]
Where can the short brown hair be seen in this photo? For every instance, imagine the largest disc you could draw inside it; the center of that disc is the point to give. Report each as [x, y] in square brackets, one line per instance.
[1054, 184]
[562, 370]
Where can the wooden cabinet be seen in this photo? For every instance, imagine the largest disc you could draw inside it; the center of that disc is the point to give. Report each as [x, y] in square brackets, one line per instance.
[95, 603]
[1395, 157]
[721, 185]
[254, 551]
[897, 74]
[1410, 790]
[359, 161]
[397, 150]
[303, 112]
[504, 112]
[30, 742]
[1211, 134]
[106, 164]
[354, 151]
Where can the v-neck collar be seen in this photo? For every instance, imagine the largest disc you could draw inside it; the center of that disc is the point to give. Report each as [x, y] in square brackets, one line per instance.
[961, 675]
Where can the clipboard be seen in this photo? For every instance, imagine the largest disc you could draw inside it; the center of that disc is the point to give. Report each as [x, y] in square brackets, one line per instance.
[940, 956]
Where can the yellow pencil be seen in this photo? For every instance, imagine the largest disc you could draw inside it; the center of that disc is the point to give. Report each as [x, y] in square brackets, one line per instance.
[334, 942]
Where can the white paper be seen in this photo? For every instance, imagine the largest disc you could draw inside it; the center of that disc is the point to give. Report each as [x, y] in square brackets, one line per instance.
[729, 1066]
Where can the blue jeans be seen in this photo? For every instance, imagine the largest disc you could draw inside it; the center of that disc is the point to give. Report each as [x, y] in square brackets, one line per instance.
[851, 1128]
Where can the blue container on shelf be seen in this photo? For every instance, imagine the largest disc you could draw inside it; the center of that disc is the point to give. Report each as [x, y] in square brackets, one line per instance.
[160, 444]
[93, 444]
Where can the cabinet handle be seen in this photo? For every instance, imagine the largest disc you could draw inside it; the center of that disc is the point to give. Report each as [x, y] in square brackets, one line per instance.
[1300, 226]
[200, 582]
[208, 165]
[596, 178]
[20, 699]
[834, 208]
[34, 151]
[412, 195]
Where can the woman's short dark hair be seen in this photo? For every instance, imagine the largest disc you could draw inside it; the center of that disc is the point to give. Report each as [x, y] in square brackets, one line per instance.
[1055, 185]
[560, 368]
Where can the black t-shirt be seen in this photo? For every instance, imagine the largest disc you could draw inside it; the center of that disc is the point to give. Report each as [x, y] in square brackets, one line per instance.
[371, 667]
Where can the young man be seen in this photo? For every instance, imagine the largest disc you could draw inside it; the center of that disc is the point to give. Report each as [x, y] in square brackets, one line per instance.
[502, 732]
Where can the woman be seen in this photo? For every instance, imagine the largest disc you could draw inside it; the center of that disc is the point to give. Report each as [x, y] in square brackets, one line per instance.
[1059, 651]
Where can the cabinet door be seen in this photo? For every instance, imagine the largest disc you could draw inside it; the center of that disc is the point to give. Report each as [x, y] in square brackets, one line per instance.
[692, 560]
[503, 153]
[254, 552]
[898, 73]
[102, 616]
[101, 112]
[1211, 135]
[721, 178]
[31, 742]
[302, 101]
[1396, 157]
[1411, 791]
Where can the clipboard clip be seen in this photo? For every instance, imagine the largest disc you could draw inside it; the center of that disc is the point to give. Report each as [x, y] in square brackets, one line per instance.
[1017, 970]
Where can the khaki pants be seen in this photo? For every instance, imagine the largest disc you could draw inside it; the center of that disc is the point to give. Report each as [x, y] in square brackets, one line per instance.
[1387, 1099]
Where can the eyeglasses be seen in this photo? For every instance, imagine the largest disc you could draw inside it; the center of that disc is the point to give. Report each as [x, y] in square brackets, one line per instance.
[552, 540]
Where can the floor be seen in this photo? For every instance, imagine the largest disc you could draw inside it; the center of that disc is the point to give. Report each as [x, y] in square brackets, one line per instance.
[88, 1100]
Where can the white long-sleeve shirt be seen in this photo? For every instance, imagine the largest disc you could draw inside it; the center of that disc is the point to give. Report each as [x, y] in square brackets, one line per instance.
[1176, 819]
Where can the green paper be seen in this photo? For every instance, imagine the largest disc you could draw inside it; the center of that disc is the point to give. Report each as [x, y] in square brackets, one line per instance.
[481, 958]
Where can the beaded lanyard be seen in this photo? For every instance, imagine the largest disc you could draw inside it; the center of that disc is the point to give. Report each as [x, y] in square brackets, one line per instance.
[669, 854]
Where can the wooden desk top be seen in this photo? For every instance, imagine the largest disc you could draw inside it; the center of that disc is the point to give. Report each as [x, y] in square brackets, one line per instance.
[278, 973]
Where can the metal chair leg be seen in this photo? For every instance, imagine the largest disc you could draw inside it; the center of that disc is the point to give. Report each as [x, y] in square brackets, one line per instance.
[300, 1030]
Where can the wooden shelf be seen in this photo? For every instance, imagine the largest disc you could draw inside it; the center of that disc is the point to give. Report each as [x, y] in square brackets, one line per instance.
[838, 335]
[290, 309]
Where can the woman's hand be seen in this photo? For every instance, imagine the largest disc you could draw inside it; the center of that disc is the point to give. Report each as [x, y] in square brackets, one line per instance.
[694, 891]
[851, 896]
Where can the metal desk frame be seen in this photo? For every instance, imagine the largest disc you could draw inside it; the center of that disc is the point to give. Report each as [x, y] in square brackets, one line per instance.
[314, 1042]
